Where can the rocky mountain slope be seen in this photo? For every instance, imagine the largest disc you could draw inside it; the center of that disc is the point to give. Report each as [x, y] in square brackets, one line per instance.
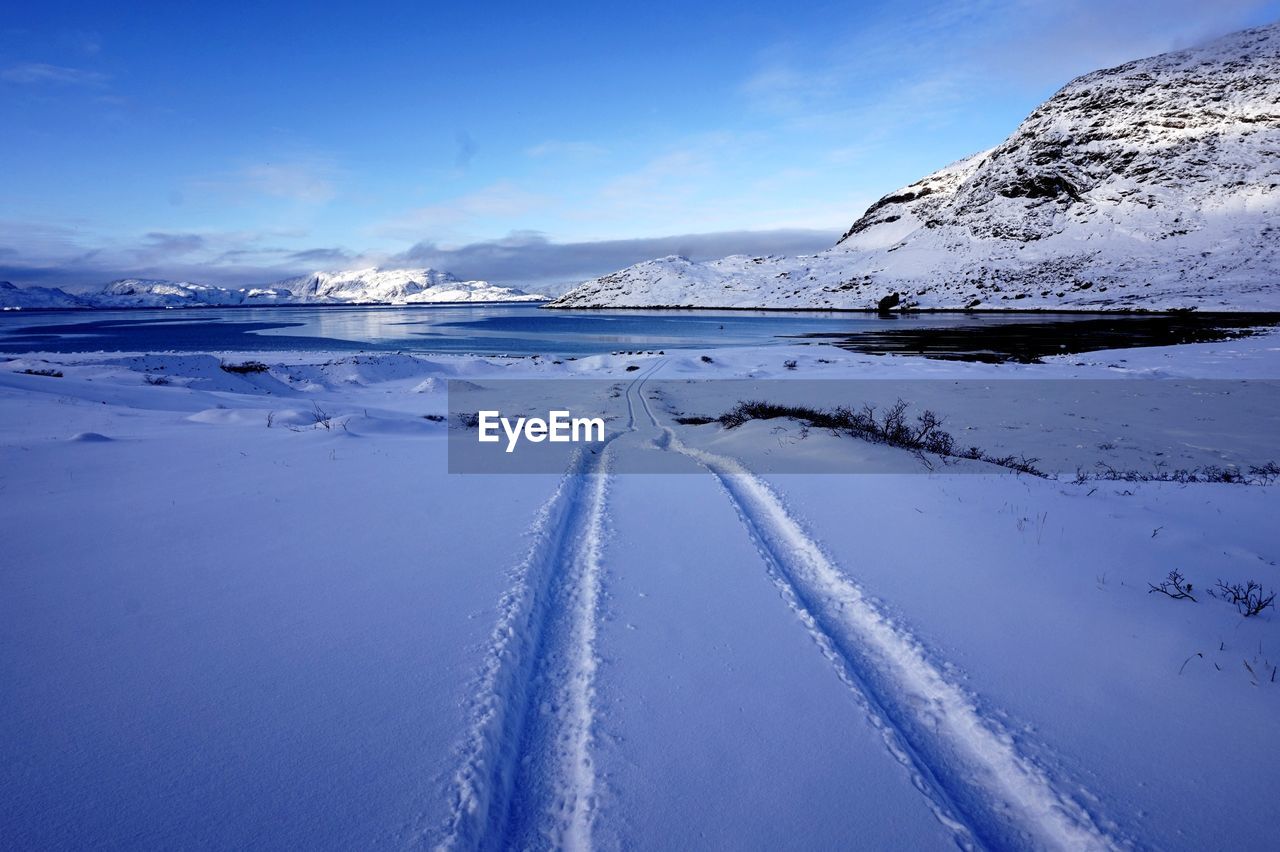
[360, 287]
[1155, 185]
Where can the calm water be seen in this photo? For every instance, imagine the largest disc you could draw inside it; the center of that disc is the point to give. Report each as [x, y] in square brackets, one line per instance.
[487, 330]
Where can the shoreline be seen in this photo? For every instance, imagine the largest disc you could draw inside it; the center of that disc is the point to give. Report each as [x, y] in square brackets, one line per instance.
[1267, 315]
[915, 311]
[88, 308]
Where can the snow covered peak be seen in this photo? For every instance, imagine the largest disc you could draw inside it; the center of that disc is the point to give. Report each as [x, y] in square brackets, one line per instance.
[139, 286]
[396, 286]
[1154, 184]
[1167, 134]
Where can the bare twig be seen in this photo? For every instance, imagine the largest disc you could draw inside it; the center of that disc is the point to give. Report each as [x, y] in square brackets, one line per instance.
[1175, 587]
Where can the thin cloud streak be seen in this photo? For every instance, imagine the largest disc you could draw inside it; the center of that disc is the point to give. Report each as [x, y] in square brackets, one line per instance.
[456, 215]
[309, 180]
[43, 73]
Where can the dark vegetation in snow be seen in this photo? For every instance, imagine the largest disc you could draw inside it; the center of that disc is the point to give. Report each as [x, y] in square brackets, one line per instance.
[1264, 474]
[925, 435]
[321, 419]
[892, 427]
[246, 368]
[1248, 597]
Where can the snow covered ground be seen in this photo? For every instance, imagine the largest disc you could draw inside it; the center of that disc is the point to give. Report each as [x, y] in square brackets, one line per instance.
[252, 609]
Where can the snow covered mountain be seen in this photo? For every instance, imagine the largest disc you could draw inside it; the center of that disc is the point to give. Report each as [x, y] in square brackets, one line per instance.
[396, 287]
[12, 297]
[153, 293]
[1155, 184]
[360, 287]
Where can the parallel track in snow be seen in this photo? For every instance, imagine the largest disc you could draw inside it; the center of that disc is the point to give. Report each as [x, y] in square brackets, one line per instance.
[978, 783]
[527, 777]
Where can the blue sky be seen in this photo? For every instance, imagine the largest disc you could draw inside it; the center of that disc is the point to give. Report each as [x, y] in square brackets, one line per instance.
[523, 142]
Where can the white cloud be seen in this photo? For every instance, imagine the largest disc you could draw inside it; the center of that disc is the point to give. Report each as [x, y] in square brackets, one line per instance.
[454, 217]
[308, 180]
[566, 150]
[529, 259]
[76, 255]
[1053, 41]
[42, 73]
[665, 173]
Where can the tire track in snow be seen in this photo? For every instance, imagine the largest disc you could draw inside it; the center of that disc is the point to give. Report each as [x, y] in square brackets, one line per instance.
[967, 765]
[526, 776]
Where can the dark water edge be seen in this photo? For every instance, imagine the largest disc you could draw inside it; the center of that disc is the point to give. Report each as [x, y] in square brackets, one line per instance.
[512, 330]
[1028, 342]
[524, 329]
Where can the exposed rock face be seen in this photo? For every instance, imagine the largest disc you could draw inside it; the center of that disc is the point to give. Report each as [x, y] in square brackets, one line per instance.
[1155, 184]
[888, 303]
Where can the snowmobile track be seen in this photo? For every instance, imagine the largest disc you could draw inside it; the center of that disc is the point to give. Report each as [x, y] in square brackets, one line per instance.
[978, 783]
[526, 777]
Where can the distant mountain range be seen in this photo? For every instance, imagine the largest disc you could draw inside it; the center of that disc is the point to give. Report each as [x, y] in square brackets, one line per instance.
[359, 287]
[1155, 185]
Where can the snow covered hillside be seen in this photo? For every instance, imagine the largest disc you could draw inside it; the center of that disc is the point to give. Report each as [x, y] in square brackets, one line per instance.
[153, 293]
[371, 286]
[12, 296]
[1154, 185]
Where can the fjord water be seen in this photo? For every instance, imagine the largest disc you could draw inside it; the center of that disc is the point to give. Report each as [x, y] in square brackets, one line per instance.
[508, 329]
